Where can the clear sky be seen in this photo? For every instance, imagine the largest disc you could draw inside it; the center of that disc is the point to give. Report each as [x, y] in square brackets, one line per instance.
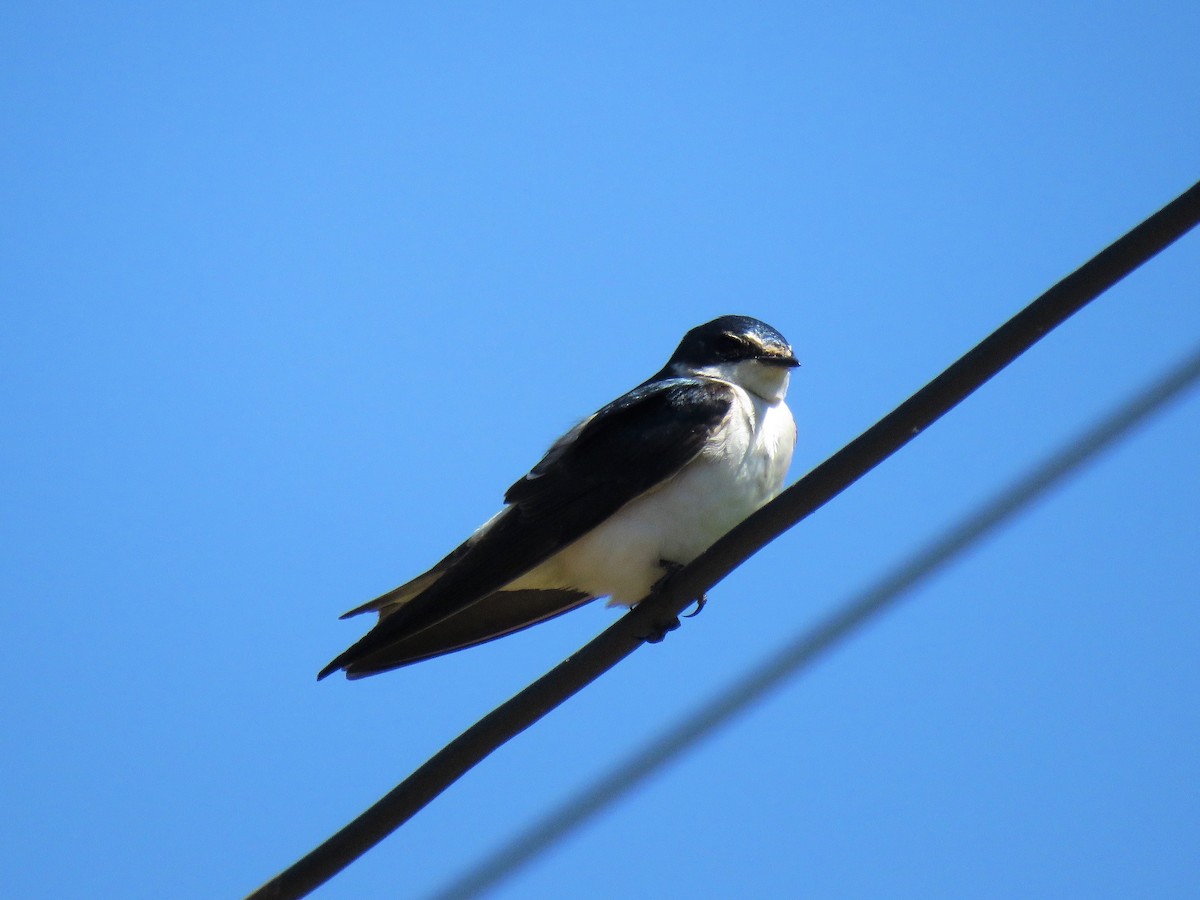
[292, 293]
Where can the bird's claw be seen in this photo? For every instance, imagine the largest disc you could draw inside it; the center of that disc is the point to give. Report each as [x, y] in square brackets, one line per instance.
[669, 569]
[660, 630]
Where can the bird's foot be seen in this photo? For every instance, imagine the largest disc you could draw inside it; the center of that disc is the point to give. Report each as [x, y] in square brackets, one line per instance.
[669, 569]
[660, 629]
[701, 602]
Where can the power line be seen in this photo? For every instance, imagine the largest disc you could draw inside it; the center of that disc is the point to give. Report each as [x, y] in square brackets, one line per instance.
[807, 647]
[800, 500]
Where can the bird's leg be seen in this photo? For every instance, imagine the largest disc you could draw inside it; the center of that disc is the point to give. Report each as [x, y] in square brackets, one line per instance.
[661, 629]
[671, 568]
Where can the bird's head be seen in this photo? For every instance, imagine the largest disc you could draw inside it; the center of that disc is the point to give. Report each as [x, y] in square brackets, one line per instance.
[738, 349]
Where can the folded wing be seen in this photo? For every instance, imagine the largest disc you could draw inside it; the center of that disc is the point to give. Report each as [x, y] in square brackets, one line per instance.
[627, 448]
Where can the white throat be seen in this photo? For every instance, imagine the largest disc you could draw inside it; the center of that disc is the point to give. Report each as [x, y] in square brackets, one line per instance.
[767, 382]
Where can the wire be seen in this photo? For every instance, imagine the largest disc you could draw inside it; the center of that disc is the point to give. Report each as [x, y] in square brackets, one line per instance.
[800, 500]
[807, 647]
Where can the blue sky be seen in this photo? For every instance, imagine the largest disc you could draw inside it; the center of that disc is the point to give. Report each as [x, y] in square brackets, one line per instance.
[293, 293]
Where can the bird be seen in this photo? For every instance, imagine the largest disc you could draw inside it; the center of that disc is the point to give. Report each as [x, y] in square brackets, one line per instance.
[617, 504]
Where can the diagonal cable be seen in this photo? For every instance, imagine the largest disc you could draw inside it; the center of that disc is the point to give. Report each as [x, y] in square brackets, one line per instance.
[807, 647]
[808, 494]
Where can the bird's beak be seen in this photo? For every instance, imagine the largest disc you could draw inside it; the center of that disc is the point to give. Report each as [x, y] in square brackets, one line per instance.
[787, 361]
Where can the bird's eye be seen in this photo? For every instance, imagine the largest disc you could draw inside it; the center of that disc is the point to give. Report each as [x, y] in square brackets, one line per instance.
[728, 344]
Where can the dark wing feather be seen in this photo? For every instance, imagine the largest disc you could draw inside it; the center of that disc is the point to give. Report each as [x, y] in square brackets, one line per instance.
[627, 448]
[398, 596]
[494, 616]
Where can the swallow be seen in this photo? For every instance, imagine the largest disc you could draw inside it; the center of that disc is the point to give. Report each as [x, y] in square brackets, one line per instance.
[626, 497]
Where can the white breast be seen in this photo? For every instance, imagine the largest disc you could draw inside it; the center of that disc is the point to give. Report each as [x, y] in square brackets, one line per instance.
[684, 515]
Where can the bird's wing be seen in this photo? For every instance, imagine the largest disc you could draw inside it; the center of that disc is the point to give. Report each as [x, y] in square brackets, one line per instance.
[627, 448]
[397, 597]
[496, 615]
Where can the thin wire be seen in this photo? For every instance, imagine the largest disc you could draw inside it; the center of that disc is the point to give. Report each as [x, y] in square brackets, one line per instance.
[815, 489]
[807, 647]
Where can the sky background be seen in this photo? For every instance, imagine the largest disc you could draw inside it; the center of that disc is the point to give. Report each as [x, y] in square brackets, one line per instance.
[292, 294]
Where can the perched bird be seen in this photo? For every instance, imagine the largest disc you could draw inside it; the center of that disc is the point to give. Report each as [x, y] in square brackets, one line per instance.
[620, 501]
